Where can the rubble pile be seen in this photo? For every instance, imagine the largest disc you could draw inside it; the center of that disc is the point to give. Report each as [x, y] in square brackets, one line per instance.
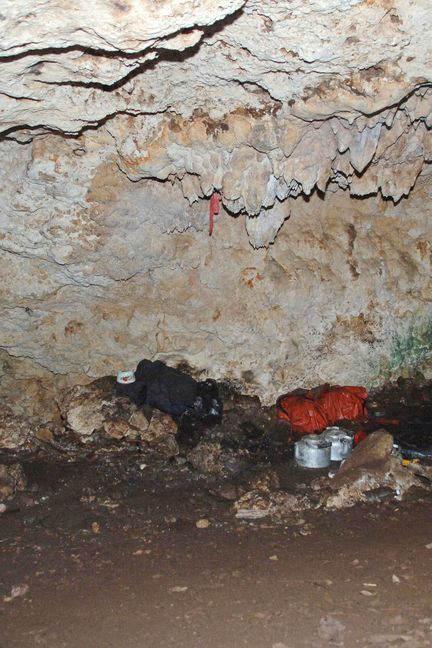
[371, 467]
[244, 458]
[95, 416]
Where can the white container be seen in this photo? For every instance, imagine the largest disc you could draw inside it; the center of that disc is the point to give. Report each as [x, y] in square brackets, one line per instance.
[341, 442]
[313, 451]
[125, 377]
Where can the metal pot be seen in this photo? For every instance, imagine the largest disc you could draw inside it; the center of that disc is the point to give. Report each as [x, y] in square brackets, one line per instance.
[341, 442]
[313, 451]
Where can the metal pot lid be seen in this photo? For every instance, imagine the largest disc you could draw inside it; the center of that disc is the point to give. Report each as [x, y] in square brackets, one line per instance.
[335, 434]
[316, 441]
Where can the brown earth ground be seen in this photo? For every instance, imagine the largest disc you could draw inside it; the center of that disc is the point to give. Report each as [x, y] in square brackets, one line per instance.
[113, 558]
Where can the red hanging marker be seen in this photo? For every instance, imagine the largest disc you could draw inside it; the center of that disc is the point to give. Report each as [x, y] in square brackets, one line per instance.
[214, 209]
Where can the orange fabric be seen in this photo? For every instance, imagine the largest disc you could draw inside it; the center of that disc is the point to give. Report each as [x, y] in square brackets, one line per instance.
[302, 413]
[343, 403]
[317, 409]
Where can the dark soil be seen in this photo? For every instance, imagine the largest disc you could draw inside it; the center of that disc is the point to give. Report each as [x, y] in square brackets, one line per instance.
[106, 552]
[113, 559]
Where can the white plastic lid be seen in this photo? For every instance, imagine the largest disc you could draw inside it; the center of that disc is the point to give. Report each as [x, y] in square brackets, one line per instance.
[125, 377]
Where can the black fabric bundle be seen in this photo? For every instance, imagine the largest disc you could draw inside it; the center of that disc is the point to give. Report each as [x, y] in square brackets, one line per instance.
[174, 392]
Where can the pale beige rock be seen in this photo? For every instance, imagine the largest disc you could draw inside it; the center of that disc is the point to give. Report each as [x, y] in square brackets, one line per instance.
[44, 434]
[209, 457]
[12, 479]
[160, 435]
[160, 425]
[84, 414]
[139, 420]
[278, 504]
[353, 486]
[96, 409]
[119, 429]
[267, 481]
[376, 447]
[15, 430]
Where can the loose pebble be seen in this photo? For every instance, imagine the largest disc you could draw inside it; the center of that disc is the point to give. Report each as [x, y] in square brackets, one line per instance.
[95, 527]
[16, 591]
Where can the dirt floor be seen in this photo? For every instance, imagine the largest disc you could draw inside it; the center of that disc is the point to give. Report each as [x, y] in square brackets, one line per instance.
[108, 555]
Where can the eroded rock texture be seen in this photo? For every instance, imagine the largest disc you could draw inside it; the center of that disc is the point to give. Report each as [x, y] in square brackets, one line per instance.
[120, 119]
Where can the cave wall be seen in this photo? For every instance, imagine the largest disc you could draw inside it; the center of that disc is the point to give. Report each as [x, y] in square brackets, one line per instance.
[118, 122]
[100, 271]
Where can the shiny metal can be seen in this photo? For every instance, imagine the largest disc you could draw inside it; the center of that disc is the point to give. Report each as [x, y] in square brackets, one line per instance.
[313, 451]
[341, 442]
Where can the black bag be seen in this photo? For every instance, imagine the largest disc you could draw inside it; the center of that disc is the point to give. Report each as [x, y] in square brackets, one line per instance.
[206, 412]
[173, 391]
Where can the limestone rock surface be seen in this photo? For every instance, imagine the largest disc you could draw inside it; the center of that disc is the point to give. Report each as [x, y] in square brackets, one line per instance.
[119, 120]
[257, 100]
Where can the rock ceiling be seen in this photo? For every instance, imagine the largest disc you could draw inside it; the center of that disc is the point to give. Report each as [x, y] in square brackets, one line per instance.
[260, 100]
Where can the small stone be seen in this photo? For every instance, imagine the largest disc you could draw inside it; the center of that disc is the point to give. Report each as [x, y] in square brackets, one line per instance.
[14, 429]
[44, 434]
[330, 629]
[139, 420]
[202, 524]
[12, 479]
[26, 500]
[395, 579]
[274, 557]
[429, 546]
[177, 589]
[119, 429]
[16, 591]
[160, 425]
[228, 492]
[366, 593]
[95, 527]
